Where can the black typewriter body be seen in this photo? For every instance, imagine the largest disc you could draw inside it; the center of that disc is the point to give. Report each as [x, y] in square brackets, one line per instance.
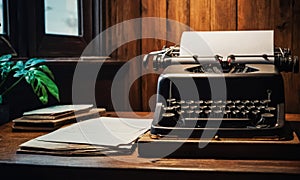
[220, 99]
[246, 104]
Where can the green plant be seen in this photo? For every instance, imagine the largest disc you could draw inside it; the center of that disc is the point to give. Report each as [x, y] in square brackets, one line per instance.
[33, 71]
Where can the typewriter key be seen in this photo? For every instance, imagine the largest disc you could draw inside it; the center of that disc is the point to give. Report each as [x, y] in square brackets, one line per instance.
[240, 107]
[217, 102]
[245, 102]
[168, 119]
[245, 113]
[270, 109]
[255, 115]
[170, 101]
[227, 114]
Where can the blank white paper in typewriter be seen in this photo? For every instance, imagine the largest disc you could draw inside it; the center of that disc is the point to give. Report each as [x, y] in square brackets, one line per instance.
[225, 43]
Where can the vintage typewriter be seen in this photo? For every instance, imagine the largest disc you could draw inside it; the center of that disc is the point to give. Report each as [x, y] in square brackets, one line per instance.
[217, 97]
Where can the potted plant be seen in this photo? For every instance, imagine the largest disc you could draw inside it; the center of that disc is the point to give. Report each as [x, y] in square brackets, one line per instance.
[33, 71]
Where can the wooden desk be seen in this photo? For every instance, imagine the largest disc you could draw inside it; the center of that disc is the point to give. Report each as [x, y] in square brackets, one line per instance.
[14, 165]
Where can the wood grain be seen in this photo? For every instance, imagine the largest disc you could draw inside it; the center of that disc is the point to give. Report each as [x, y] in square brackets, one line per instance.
[255, 14]
[200, 11]
[178, 20]
[223, 15]
[152, 9]
[131, 166]
[282, 16]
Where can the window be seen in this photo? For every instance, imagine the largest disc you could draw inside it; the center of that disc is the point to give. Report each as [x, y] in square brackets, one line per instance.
[62, 17]
[50, 28]
[1, 18]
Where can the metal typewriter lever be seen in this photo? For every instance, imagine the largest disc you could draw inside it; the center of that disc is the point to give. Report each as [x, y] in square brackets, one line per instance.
[283, 59]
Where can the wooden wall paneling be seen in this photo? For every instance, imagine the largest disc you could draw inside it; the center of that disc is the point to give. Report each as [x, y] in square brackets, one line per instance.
[275, 15]
[200, 15]
[178, 20]
[223, 15]
[255, 14]
[129, 10]
[295, 79]
[283, 29]
[152, 8]
[118, 12]
[110, 20]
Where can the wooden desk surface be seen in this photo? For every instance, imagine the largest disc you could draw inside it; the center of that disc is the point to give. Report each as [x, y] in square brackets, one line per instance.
[15, 165]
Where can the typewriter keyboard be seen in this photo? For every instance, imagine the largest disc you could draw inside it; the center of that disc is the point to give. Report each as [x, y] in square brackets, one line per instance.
[233, 113]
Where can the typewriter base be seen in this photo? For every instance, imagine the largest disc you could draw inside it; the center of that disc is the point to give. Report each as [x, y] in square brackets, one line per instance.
[223, 148]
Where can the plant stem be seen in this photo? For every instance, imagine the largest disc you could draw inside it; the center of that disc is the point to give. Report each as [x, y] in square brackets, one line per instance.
[12, 86]
[4, 80]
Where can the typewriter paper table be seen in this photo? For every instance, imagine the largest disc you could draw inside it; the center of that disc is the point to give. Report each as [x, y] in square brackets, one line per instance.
[14, 165]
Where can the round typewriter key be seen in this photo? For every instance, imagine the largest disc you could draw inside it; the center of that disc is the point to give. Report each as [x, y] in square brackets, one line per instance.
[237, 101]
[189, 102]
[222, 106]
[176, 107]
[240, 107]
[181, 114]
[212, 106]
[169, 109]
[181, 102]
[217, 113]
[255, 102]
[236, 113]
[170, 101]
[245, 113]
[193, 107]
[198, 112]
[231, 107]
[261, 108]
[184, 107]
[255, 115]
[168, 120]
[217, 102]
[190, 113]
[198, 102]
[202, 107]
[270, 109]
[208, 102]
[245, 102]
[207, 112]
[250, 108]
[265, 101]
[228, 101]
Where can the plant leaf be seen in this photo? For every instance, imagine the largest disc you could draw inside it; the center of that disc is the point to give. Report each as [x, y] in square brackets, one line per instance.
[5, 68]
[44, 96]
[5, 57]
[18, 66]
[46, 70]
[48, 83]
[33, 62]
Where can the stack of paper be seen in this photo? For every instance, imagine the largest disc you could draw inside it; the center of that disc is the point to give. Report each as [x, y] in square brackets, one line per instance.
[98, 136]
[53, 117]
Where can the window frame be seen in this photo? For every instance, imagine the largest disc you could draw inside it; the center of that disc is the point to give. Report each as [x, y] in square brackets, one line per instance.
[26, 29]
[46, 45]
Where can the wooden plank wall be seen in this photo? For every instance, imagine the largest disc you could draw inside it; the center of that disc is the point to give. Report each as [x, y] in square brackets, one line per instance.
[282, 16]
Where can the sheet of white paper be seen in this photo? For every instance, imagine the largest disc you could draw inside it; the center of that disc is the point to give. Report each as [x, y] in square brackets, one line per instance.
[104, 131]
[225, 43]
